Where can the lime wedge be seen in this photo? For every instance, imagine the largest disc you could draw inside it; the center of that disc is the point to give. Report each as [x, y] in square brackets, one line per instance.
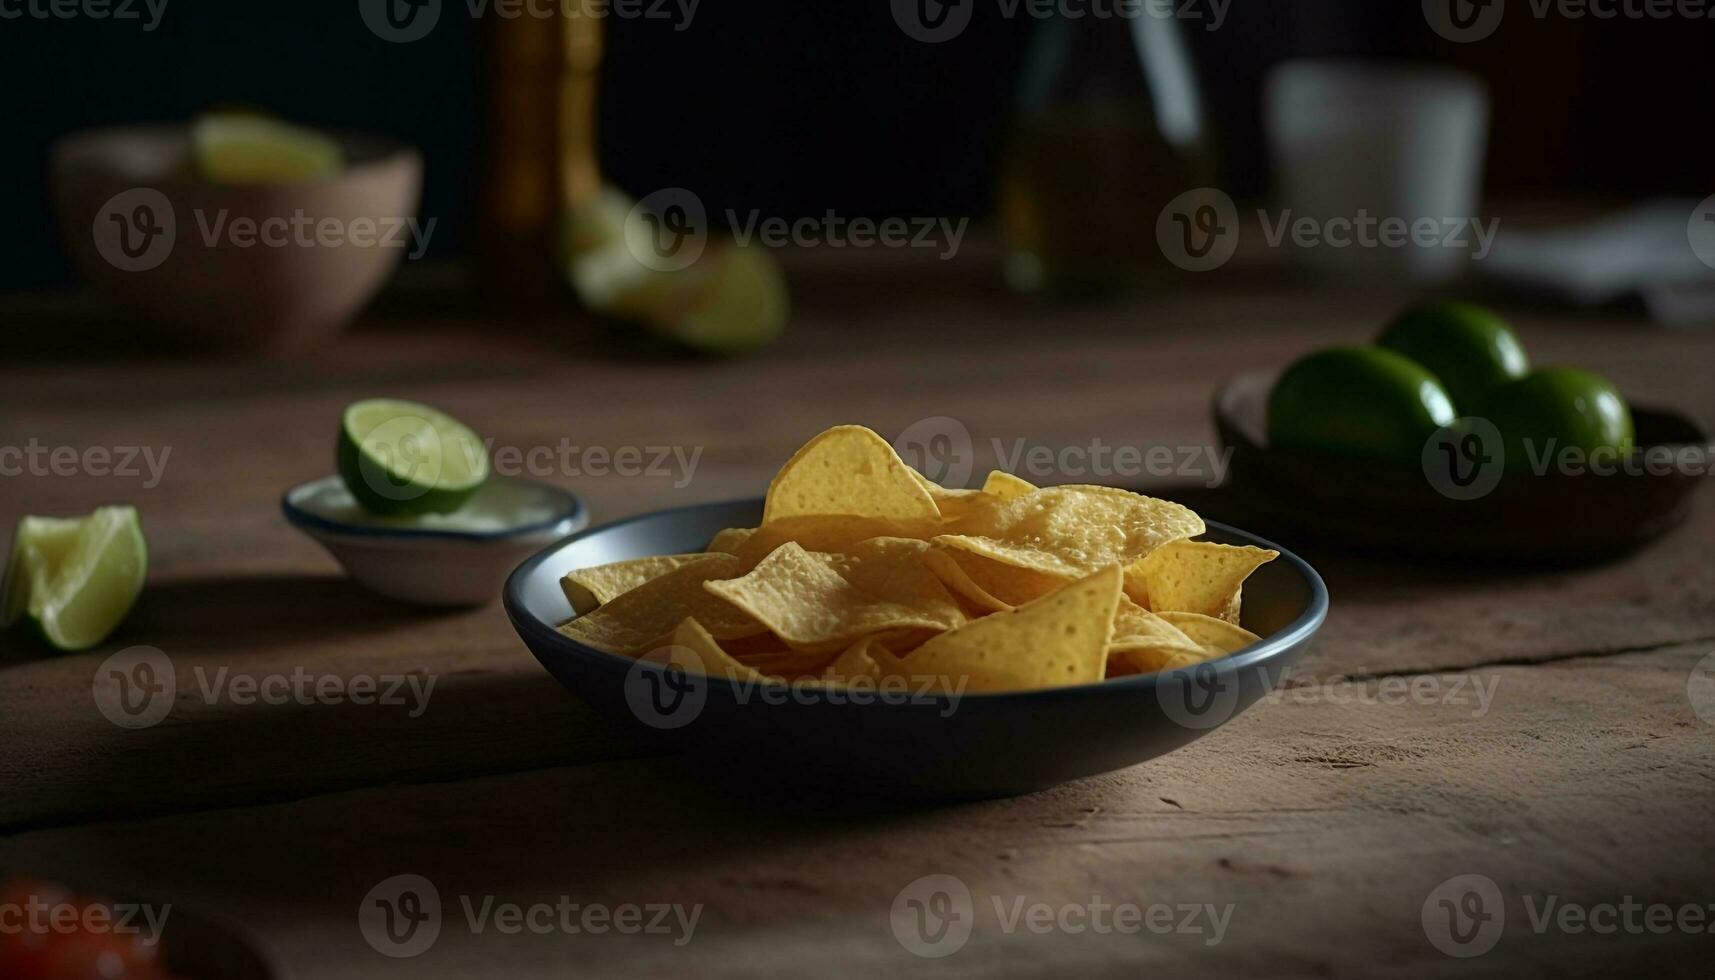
[238, 148]
[77, 578]
[595, 225]
[399, 457]
[733, 298]
[740, 305]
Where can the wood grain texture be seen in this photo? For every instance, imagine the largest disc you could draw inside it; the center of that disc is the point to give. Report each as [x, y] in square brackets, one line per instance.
[1323, 817]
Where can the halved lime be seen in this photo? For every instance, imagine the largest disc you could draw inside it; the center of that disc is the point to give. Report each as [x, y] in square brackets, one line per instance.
[400, 457]
[241, 148]
[77, 578]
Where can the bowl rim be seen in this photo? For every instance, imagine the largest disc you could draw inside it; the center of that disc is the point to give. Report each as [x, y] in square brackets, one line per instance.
[388, 151]
[572, 517]
[535, 631]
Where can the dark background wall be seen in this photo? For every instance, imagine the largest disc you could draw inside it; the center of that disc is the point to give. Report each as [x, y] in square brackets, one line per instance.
[794, 107]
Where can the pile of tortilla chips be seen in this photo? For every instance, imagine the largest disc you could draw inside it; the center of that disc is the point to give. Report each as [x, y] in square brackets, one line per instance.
[863, 570]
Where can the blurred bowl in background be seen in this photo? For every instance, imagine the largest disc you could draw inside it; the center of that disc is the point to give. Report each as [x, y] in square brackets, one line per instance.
[234, 267]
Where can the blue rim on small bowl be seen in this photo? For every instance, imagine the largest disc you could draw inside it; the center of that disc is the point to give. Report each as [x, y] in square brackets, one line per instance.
[569, 518]
[1000, 743]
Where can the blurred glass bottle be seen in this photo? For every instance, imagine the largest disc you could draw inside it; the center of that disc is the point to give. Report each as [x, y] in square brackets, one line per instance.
[1108, 129]
[538, 149]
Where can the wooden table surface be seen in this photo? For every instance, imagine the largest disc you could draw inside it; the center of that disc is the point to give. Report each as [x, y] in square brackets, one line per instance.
[1533, 727]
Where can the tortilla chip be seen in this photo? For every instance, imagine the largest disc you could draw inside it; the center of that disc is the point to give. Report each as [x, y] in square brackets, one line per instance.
[848, 470]
[987, 584]
[813, 599]
[1148, 642]
[635, 621]
[1217, 637]
[1194, 576]
[587, 588]
[1057, 640]
[1005, 486]
[731, 539]
[1072, 532]
[706, 655]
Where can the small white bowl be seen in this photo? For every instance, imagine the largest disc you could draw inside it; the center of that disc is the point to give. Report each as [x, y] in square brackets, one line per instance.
[458, 559]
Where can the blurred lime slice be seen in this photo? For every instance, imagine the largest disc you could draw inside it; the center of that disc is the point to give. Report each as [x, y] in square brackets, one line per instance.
[596, 225]
[241, 148]
[731, 299]
[400, 457]
[77, 578]
[740, 305]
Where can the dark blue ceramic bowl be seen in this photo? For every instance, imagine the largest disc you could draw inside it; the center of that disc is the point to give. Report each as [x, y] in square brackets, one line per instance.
[904, 741]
